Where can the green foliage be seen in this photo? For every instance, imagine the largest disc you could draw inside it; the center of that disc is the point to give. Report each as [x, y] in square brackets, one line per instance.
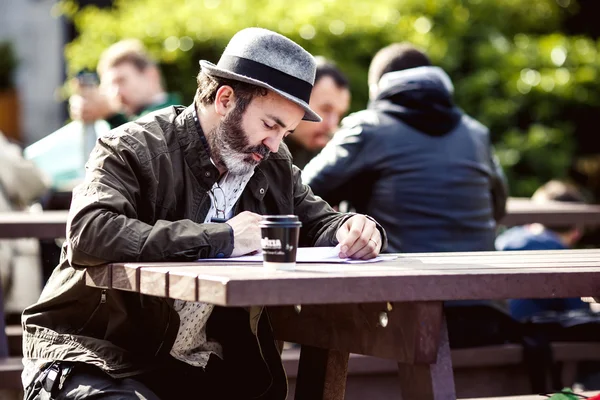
[8, 64]
[513, 69]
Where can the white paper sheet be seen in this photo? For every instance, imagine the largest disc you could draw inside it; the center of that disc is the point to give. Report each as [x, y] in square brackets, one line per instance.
[310, 255]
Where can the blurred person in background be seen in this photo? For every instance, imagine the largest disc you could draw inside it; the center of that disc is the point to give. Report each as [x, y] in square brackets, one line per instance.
[330, 98]
[130, 86]
[21, 184]
[414, 161]
[539, 237]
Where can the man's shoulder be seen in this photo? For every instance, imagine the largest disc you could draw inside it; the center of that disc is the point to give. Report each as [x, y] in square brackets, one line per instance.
[149, 135]
[366, 124]
[370, 120]
[473, 125]
[364, 118]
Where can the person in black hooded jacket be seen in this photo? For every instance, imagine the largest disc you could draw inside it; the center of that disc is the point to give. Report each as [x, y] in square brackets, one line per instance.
[414, 161]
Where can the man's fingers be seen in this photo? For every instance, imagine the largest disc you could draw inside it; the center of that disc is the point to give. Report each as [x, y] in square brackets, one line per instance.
[355, 228]
[362, 241]
[371, 250]
[342, 233]
[250, 215]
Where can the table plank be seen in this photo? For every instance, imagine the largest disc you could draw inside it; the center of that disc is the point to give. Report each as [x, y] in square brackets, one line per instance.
[522, 211]
[447, 276]
[410, 334]
[42, 225]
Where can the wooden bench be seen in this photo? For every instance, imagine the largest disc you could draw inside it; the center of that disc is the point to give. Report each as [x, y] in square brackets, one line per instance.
[478, 372]
[45, 225]
[10, 373]
[42, 225]
[521, 211]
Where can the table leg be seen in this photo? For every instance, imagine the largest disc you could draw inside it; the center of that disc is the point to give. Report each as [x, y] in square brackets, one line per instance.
[321, 374]
[429, 381]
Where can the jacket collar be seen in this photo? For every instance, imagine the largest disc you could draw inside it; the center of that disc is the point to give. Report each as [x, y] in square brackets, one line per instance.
[432, 78]
[258, 184]
[195, 153]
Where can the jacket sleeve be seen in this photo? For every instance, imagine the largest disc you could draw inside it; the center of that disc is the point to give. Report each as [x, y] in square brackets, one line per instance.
[332, 170]
[320, 222]
[499, 187]
[104, 222]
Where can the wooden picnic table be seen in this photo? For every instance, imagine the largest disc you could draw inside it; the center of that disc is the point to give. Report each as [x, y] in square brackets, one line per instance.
[520, 211]
[40, 225]
[390, 309]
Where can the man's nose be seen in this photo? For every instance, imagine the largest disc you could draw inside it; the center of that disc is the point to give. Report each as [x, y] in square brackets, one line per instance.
[273, 141]
[332, 120]
[112, 91]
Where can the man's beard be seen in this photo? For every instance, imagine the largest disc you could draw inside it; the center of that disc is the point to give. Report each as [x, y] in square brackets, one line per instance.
[230, 148]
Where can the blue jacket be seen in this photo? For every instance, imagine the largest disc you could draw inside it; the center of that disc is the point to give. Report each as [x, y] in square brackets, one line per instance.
[524, 238]
[418, 165]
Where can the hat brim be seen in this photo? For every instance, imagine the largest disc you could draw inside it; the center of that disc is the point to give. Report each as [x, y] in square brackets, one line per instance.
[211, 69]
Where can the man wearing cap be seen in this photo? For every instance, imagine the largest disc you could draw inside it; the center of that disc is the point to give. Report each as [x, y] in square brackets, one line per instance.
[177, 185]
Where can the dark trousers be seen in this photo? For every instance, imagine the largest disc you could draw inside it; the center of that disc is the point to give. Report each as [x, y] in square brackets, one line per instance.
[175, 380]
[250, 372]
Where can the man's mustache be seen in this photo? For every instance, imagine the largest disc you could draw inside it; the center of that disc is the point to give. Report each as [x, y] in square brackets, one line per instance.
[261, 150]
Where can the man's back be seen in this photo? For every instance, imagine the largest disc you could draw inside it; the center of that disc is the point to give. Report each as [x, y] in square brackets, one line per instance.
[418, 165]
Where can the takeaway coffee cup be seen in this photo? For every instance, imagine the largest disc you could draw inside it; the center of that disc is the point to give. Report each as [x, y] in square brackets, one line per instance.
[279, 241]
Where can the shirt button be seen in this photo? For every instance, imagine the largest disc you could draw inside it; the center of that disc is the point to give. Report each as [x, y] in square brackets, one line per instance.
[207, 174]
[220, 255]
[262, 191]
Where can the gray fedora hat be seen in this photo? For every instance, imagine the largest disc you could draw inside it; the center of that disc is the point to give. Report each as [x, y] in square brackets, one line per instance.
[267, 59]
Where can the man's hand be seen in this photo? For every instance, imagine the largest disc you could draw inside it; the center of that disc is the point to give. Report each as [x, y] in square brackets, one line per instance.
[90, 105]
[359, 238]
[246, 233]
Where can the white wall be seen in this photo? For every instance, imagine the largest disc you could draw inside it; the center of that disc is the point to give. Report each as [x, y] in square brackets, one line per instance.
[38, 40]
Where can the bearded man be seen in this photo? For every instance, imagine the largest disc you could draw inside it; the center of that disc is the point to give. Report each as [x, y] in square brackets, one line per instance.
[184, 184]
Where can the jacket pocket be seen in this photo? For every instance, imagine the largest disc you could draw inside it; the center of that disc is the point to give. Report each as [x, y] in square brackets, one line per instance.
[99, 306]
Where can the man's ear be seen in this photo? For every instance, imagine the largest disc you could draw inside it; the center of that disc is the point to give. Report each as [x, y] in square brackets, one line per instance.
[224, 100]
[373, 89]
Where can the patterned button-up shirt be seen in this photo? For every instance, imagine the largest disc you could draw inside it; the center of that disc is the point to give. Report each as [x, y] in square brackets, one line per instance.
[191, 345]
